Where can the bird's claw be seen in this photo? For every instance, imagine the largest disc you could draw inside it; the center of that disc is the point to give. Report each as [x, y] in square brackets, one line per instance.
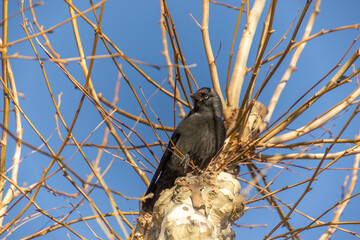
[198, 170]
[185, 161]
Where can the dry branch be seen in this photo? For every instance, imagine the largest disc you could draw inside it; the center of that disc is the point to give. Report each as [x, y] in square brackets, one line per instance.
[239, 71]
[292, 66]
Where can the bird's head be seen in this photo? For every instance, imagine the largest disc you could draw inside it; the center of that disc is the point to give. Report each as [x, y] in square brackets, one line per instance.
[207, 98]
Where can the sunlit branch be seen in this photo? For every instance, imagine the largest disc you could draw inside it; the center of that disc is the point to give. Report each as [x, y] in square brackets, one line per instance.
[318, 121]
[6, 97]
[61, 165]
[319, 169]
[330, 85]
[331, 229]
[322, 32]
[239, 71]
[208, 50]
[293, 61]
[166, 55]
[11, 193]
[318, 156]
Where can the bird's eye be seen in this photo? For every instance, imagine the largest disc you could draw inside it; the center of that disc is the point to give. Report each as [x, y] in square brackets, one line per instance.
[206, 96]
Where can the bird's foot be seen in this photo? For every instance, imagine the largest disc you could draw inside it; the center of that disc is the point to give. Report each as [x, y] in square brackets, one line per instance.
[198, 170]
[185, 161]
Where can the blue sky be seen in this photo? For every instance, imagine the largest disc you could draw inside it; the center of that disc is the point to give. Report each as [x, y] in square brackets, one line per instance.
[134, 27]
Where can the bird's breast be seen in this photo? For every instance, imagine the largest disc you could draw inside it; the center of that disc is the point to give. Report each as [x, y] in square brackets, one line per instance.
[205, 140]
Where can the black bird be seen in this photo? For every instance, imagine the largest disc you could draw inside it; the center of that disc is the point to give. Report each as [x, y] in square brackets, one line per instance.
[199, 136]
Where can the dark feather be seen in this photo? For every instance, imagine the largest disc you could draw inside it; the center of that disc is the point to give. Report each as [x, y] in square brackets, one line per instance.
[200, 135]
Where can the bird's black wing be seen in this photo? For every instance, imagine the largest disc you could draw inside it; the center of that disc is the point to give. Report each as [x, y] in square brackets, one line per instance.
[168, 153]
[164, 160]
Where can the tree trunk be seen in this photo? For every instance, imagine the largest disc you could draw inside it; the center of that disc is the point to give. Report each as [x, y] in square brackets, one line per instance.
[197, 207]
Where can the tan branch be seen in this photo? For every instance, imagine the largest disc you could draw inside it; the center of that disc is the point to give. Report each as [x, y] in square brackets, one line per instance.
[6, 97]
[319, 156]
[165, 53]
[318, 121]
[293, 61]
[239, 71]
[330, 85]
[11, 193]
[331, 229]
[208, 50]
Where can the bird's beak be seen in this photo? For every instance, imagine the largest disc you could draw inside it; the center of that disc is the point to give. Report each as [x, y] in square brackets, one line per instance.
[195, 96]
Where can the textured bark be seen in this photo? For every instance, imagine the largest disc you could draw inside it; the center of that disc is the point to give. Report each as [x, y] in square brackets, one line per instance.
[203, 206]
[197, 207]
[255, 123]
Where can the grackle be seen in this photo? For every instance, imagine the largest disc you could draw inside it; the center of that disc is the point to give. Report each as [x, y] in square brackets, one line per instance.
[199, 137]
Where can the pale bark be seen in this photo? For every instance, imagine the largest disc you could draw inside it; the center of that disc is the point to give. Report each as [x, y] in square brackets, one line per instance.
[197, 207]
[240, 69]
